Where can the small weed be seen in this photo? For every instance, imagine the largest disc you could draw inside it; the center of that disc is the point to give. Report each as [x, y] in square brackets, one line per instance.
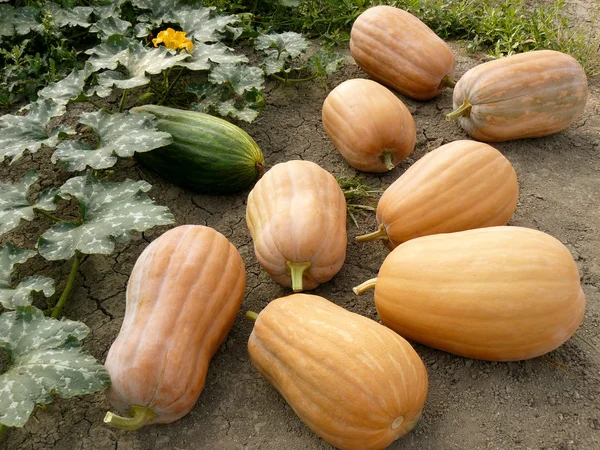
[356, 193]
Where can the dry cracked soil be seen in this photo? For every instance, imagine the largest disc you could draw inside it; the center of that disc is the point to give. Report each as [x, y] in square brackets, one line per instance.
[551, 402]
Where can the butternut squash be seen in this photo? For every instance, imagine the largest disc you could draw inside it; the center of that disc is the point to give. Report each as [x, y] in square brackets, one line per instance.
[458, 186]
[398, 50]
[296, 215]
[498, 294]
[182, 298]
[369, 125]
[527, 95]
[352, 381]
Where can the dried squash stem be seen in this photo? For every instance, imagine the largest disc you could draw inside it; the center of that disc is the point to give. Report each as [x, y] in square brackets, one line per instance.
[251, 315]
[140, 415]
[381, 233]
[388, 159]
[362, 288]
[463, 110]
[297, 272]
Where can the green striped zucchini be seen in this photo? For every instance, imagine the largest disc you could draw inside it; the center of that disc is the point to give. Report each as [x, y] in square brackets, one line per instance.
[208, 154]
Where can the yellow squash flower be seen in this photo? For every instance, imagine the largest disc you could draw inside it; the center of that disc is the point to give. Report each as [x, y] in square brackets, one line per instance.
[173, 39]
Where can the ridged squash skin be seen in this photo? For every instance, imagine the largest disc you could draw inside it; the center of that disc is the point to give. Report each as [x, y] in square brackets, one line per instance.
[352, 381]
[182, 299]
[458, 186]
[208, 154]
[398, 50]
[498, 294]
[296, 214]
[527, 95]
[369, 125]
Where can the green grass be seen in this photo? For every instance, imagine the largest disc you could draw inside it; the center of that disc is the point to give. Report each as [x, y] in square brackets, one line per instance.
[500, 28]
[357, 193]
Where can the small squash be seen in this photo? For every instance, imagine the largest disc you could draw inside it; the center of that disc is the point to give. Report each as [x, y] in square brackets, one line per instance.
[458, 186]
[369, 125]
[397, 49]
[182, 298]
[526, 95]
[296, 215]
[497, 294]
[352, 381]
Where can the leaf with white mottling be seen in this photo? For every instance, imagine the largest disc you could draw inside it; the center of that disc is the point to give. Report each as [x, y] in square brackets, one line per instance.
[120, 134]
[159, 9]
[109, 9]
[228, 108]
[10, 256]
[326, 62]
[21, 295]
[66, 89]
[20, 20]
[109, 211]
[77, 16]
[20, 133]
[109, 26]
[287, 44]
[201, 23]
[241, 78]
[14, 205]
[139, 61]
[46, 360]
[107, 54]
[202, 55]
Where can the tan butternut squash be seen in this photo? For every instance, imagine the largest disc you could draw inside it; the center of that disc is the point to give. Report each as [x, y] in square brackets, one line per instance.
[498, 294]
[296, 215]
[397, 49]
[526, 95]
[352, 381]
[183, 295]
[369, 125]
[456, 187]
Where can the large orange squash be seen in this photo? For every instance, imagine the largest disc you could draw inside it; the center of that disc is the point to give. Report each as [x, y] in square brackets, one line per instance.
[354, 382]
[456, 187]
[520, 96]
[296, 215]
[183, 295]
[498, 294]
[369, 125]
[397, 49]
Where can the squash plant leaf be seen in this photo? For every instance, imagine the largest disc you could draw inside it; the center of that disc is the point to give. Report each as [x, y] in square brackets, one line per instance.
[15, 206]
[240, 78]
[202, 55]
[20, 20]
[229, 108]
[21, 295]
[66, 89]
[159, 8]
[201, 23]
[110, 26]
[20, 133]
[46, 361]
[108, 9]
[107, 54]
[108, 211]
[325, 63]
[77, 16]
[280, 50]
[139, 61]
[120, 134]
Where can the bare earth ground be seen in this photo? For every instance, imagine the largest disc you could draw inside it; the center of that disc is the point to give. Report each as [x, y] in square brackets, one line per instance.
[551, 402]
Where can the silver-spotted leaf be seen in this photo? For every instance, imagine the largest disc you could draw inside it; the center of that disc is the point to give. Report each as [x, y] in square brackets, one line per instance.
[287, 44]
[241, 78]
[109, 26]
[201, 24]
[202, 55]
[109, 210]
[21, 133]
[46, 361]
[107, 54]
[120, 134]
[20, 20]
[76, 16]
[229, 108]
[15, 206]
[66, 89]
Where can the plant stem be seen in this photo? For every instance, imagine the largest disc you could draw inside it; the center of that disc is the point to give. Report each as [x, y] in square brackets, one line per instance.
[140, 416]
[462, 110]
[3, 430]
[294, 80]
[297, 272]
[251, 315]
[388, 160]
[57, 310]
[381, 233]
[362, 288]
[162, 100]
[123, 97]
[47, 215]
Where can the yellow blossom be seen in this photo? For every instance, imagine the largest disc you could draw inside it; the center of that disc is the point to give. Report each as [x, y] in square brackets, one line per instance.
[173, 39]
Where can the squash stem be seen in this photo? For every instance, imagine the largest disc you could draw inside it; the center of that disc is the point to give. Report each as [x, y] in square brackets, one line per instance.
[388, 159]
[57, 310]
[381, 233]
[447, 81]
[260, 168]
[362, 288]
[140, 415]
[251, 315]
[463, 110]
[297, 272]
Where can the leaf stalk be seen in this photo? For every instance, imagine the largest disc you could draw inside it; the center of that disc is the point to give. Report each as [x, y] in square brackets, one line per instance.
[57, 310]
